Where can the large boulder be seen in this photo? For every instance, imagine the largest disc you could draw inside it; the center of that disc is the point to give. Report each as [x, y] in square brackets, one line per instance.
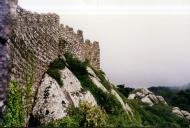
[73, 89]
[181, 113]
[147, 100]
[161, 100]
[177, 112]
[146, 96]
[52, 100]
[132, 96]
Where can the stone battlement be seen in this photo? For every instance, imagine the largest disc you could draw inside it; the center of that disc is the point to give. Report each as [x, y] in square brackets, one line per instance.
[38, 39]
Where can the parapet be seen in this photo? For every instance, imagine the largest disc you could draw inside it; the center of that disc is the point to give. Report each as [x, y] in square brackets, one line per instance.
[30, 17]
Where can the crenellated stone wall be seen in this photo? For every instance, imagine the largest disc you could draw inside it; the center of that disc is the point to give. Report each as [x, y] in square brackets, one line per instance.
[74, 43]
[91, 52]
[38, 39]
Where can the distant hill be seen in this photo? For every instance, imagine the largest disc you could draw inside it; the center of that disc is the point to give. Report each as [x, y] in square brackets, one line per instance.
[175, 96]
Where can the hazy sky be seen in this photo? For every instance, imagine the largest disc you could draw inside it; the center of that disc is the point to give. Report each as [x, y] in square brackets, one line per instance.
[142, 43]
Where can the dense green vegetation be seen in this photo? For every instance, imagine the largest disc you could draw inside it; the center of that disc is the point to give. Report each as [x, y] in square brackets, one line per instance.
[124, 90]
[174, 96]
[85, 116]
[88, 116]
[18, 104]
[116, 115]
[19, 101]
[109, 113]
[157, 116]
[14, 114]
[54, 70]
[105, 100]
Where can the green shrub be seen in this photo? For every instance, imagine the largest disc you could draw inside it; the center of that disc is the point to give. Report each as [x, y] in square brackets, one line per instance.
[67, 122]
[54, 70]
[19, 101]
[85, 116]
[14, 114]
[124, 90]
[88, 115]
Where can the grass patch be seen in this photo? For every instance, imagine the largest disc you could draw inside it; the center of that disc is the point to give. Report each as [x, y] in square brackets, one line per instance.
[54, 70]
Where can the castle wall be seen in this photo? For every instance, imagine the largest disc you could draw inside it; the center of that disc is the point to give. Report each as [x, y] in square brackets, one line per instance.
[34, 44]
[91, 52]
[38, 39]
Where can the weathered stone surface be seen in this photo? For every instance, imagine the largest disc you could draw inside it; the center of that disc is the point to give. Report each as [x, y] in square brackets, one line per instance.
[7, 17]
[140, 95]
[147, 101]
[161, 99]
[146, 96]
[177, 111]
[188, 118]
[181, 113]
[145, 91]
[73, 89]
[91, 72]
[131, 96]
[51, 102]
[154, 98]
[185, 113]
[4, 75]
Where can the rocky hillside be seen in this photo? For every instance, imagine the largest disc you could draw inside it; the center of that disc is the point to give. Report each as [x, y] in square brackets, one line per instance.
[56, 81]
[177, 97]
[73, 94]
[149, 98]
[146, 96]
